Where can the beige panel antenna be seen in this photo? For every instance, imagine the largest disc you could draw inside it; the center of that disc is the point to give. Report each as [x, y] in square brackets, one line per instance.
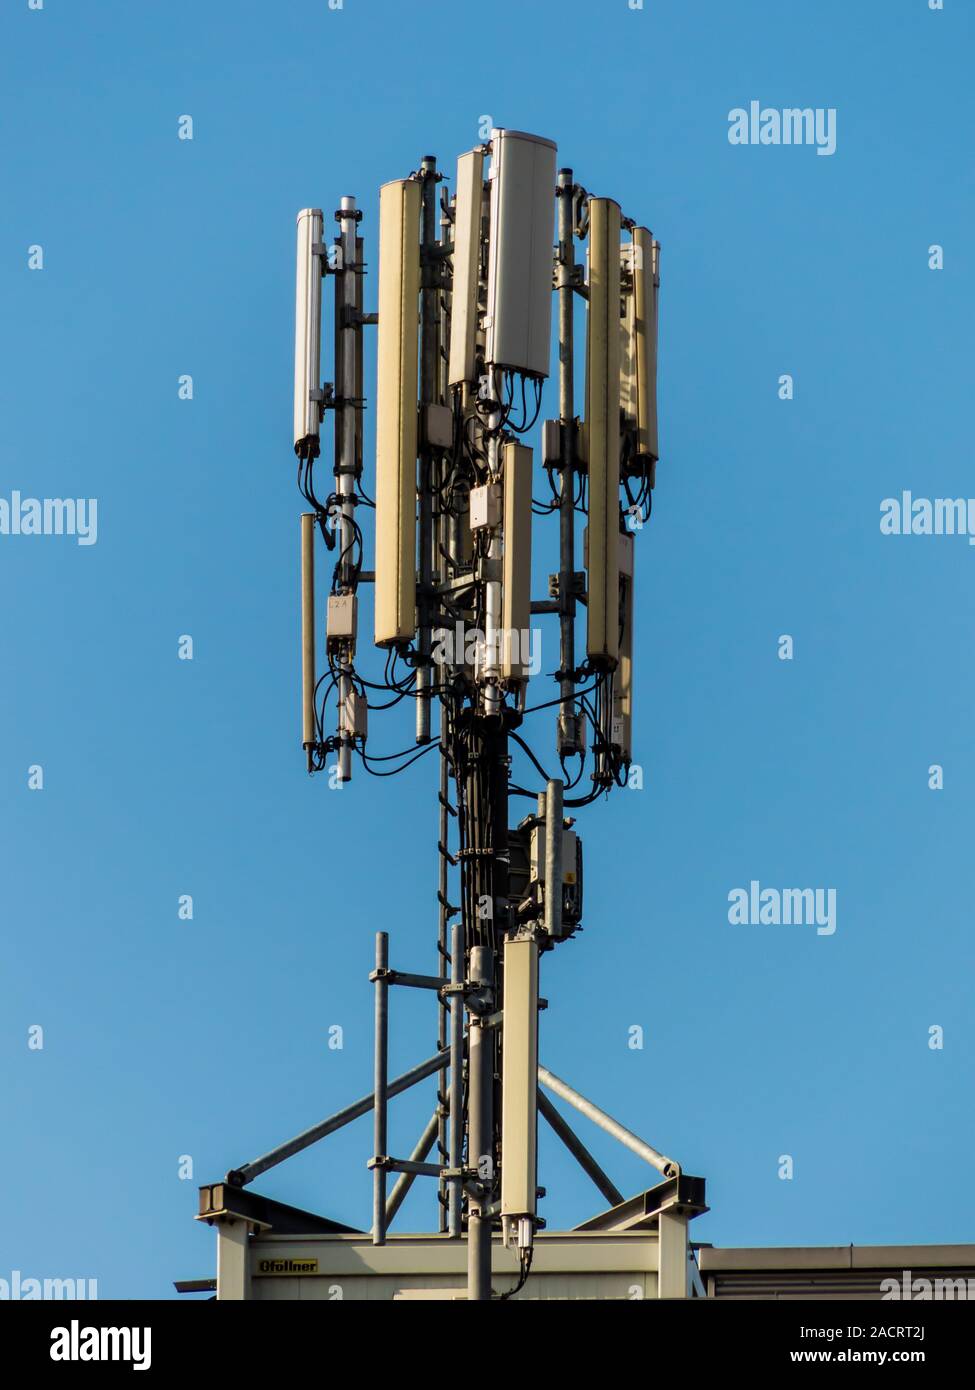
[646, 283]
[603, 431]
[396, 411]
[519, 1082]
[466, 267]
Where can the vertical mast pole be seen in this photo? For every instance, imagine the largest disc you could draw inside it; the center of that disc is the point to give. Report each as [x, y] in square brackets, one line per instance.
[480, 1140]
[430, 272]
[309, 736]
[567, 737]
[492, 568]
[380, 1090]
[347, 330]
[445, 1008]
[456, 1142]
[448, 1198]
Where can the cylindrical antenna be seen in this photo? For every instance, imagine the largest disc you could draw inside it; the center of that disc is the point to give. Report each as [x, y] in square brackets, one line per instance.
[308, 715]
[308, 333]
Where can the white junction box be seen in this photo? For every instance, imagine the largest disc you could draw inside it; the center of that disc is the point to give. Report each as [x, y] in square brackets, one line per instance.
[485, 506]
[570, 852]
[341, 618]
[355, 715]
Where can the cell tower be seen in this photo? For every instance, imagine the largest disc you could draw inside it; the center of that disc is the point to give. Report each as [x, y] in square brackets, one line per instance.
[464, 328]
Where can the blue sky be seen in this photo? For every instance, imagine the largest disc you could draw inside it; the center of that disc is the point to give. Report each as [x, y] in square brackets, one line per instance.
[163, 777]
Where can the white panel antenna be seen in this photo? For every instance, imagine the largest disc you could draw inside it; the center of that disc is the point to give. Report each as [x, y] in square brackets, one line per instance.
[519, 295]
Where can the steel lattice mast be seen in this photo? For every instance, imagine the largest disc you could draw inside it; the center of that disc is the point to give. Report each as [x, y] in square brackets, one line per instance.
[464, 338]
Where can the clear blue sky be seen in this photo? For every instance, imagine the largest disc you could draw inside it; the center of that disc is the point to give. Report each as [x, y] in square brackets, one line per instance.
[161, 777]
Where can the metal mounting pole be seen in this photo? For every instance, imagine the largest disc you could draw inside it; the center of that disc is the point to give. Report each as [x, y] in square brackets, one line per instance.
[308, 678]
[440, 544]
[567, 738]
[380, 1090]
[429, 393]
[440, 538]
[480, 1132]
[444, 1006]
[346, 343]
[456, 1142]
[553, 858]
[492, 565]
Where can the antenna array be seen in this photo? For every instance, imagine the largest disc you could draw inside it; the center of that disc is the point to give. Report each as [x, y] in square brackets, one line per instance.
[463, 352]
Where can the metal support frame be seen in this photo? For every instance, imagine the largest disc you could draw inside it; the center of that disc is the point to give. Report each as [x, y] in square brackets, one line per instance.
[626, 1137]
[380, 1089]
[578, 1150]
[672, 1254]
[668, 1208]
[480, 1043]
[239, 1177]
[233, 1264]
[445, 957]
